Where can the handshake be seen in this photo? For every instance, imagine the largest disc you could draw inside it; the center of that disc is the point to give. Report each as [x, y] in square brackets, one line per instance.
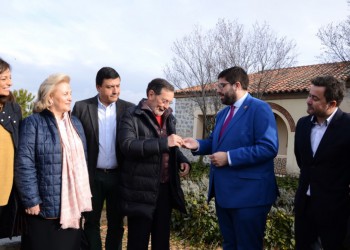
[218, 159]
[189, 143]
[177, 141]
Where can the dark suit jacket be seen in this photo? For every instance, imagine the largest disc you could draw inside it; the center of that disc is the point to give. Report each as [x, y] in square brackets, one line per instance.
[328, 172]
[86, 111]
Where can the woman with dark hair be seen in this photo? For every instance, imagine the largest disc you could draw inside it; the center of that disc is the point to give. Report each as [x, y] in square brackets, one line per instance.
[50, 170]
[10, 116]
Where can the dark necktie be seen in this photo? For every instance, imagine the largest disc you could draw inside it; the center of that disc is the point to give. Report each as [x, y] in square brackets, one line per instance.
[228, 119]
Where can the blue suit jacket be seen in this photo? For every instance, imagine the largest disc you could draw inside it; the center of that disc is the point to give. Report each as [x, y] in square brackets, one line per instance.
[252, 142]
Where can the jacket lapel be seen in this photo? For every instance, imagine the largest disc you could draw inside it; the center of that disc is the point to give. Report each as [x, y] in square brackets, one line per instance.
[327, 137]
[93, 112]
[219, 123]
[307, 136]
[237, 116]
[120, 109]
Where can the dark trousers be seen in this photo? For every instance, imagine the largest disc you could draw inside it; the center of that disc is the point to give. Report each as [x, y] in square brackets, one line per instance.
[242, 228]
[308, 229]
[105, 188]
[44, 234]
[140, 228]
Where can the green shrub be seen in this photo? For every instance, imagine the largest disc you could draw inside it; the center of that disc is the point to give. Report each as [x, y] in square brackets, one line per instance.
[287, 182]
[279, 232]
[200, 225]
[198, 170]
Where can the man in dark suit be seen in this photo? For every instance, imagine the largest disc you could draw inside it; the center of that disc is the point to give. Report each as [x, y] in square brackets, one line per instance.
[322, 147]
[100, 116]
[242, 147]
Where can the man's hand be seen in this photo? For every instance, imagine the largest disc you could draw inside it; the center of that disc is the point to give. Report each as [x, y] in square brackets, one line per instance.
[33, 210]
[190, 143]
[219, 159]
[184, 169]
[174, 141]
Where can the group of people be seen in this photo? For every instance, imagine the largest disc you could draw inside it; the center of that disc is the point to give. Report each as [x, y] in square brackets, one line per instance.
[66, 166]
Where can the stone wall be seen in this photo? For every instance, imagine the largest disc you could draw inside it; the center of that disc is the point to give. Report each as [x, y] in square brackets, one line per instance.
[280, 163]
[184, 114]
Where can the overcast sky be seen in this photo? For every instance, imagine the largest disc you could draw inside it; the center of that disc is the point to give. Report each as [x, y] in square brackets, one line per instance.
[135, 37]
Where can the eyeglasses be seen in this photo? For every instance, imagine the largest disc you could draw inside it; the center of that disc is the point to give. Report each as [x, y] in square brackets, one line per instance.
[222, 85]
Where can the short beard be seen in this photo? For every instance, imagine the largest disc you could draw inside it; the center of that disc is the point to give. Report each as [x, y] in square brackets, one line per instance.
[229, 98]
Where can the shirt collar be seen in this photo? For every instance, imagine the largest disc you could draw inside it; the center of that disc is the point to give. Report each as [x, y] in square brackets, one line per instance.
[101, 105]
[240, 101]
[327, 121]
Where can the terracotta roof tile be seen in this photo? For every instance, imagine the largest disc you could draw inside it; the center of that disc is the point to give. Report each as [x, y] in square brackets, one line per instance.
[294, 79]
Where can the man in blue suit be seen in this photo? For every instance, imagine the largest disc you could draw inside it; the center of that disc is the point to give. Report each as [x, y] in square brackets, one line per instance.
[242, 147]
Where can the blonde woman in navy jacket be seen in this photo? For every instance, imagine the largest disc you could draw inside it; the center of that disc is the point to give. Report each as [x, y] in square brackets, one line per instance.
[47, 172]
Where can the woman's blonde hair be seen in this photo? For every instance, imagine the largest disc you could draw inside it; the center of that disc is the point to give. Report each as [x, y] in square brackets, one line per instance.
[46, 89]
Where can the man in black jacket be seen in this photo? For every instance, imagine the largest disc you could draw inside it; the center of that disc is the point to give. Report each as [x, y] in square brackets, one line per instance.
[152, 163]
[100, 116]
[322, 146]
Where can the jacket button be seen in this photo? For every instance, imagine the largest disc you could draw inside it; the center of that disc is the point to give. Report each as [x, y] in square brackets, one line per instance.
[9, 117]
[14, 121]
[2, 120]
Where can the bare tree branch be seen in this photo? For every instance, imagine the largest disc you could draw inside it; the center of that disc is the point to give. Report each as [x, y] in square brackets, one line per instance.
[257, 50]
[192, 65]
[335, 39]
[201, 55]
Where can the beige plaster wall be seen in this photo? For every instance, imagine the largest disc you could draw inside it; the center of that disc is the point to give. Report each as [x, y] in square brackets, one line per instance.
[345, 105]
[296, 108]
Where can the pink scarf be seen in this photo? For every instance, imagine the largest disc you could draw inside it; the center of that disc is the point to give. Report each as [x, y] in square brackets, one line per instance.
[75, 193]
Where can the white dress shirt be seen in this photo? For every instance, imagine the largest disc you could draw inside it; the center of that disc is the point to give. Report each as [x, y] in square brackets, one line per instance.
[317, 133]
[107, 128]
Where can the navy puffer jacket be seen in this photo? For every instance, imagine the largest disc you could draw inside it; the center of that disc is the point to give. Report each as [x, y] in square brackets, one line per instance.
[38, 165]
